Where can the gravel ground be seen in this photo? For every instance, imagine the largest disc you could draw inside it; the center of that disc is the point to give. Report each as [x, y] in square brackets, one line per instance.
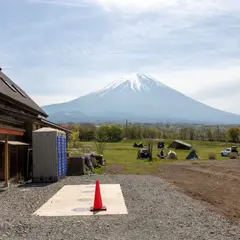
[156, 211]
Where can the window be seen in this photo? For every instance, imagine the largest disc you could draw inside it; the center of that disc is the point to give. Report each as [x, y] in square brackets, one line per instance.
[18, 90]
[8, 84]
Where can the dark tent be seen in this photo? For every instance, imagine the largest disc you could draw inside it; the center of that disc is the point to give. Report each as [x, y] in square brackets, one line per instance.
[139, 145]
[193, 156]
[180, 145]
[160, 144]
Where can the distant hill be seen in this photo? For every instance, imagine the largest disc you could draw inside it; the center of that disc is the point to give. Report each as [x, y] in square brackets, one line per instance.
[138, 98]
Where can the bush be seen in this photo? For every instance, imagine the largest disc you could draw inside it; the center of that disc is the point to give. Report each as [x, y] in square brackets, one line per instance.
[100, 146]
[233, 156]
[212, 156]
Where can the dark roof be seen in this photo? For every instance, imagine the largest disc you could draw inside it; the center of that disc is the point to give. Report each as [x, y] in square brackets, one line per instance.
[53, 125]
[12, 91]
[183, 143]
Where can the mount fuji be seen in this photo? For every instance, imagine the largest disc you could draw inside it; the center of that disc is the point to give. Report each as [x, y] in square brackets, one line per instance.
[139, 98]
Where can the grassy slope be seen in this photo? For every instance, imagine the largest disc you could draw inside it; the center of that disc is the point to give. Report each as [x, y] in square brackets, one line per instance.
[123, 156]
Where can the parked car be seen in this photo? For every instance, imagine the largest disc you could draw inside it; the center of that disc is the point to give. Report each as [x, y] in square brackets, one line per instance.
[234, 149]
[226, 152]
[143, 153]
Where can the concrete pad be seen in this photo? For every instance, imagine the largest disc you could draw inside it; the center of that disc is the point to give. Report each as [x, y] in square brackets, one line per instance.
[76, 200]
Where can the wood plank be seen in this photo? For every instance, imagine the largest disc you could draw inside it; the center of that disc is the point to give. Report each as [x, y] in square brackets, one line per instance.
[17, 152]
[6, 161]
[10, 131]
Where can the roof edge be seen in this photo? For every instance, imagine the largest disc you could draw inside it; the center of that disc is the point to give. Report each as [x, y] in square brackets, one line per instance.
[53, 124]
[9, 99]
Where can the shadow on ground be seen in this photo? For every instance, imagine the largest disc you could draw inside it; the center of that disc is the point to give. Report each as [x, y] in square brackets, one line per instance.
[34, 185]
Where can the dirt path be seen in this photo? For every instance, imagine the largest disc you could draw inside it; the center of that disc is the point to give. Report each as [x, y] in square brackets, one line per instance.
[214, 182]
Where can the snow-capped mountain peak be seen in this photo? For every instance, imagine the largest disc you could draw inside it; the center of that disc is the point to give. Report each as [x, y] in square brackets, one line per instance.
[138, 98]
[136, 82]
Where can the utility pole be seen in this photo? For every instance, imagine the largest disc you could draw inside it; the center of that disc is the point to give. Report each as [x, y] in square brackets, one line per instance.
[126, 129]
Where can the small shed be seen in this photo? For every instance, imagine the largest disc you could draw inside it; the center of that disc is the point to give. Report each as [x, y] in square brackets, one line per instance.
[17, 155]
[177, 144]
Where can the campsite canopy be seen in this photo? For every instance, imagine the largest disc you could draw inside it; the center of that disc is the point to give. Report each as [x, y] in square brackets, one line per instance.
[177, 144]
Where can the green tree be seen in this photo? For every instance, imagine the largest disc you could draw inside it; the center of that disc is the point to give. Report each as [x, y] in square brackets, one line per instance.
[87, 132]
[191, 132]
[109, 133]
[150, 143]
[75, 128]
[233, 134]
[102, 133]
[210, 135]
[115, 133]
[74, 137]
[183, 133]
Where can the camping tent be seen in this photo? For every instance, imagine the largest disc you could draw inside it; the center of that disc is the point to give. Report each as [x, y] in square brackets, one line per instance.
[172, 155]
[180, 145]
[139, 145]
[193, 156]
[160, 144]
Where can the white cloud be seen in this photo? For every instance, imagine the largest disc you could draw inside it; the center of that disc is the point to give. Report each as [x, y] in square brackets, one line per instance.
[193, 81]
[62, 49]
[199, 83]
[68, 3]
[45, 100]
[130, 6]
[228, 104]
[138, 6]
[135, 5]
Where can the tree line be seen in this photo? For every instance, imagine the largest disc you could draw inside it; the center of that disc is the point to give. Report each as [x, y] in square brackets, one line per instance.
[117, 132]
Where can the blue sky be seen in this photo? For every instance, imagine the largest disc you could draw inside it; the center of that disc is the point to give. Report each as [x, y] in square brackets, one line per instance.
[58, 50]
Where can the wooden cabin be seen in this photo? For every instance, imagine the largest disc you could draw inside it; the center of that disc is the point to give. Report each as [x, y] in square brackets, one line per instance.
[19, 116]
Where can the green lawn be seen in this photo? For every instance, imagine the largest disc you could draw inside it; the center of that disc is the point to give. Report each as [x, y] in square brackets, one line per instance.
[123, 156]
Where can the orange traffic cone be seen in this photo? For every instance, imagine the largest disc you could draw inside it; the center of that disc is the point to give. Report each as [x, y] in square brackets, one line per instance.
[98, 206]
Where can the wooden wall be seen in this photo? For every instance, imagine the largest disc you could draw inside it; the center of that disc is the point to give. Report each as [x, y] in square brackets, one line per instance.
[1, 161]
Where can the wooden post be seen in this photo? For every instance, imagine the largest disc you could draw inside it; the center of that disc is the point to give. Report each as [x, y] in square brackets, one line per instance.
[6, 164]
[17, 161]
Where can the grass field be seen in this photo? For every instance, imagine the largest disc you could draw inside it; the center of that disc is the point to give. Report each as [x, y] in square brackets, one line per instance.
[121, 157]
